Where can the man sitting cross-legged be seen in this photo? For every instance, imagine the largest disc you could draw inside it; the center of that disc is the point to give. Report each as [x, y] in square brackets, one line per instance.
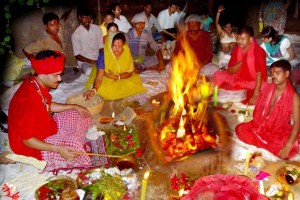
[275, 124]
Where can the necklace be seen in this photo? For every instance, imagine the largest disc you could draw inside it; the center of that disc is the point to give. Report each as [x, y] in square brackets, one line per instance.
[44, 100]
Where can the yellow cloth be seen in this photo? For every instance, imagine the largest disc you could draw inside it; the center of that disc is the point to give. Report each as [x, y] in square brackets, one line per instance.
[103, 29]
[111, 89]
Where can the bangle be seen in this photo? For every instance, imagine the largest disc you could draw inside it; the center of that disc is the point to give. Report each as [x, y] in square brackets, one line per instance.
[94, 90]
[119, 77]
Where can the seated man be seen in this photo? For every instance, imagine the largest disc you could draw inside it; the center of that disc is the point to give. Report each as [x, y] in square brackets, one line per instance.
[139, 39]
[36, 132]
[87, 42]
[275, 124]
[168, 18]
[152, 22]
[246, 68]
[197, 39]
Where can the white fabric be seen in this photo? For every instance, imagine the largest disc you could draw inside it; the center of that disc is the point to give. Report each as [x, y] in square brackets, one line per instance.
[226, 39]
[165, 20]
[123, 24]
[87, 42]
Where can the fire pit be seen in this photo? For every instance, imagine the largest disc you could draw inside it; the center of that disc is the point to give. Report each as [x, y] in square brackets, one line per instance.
[184, 130]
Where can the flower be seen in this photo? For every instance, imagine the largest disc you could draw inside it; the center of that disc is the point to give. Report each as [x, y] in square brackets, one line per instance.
[139, 152]
[182, 182]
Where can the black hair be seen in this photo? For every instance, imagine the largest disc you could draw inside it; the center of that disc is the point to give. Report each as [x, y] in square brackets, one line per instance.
[113, 5]
[112, 24]
[109, 12]
[284, 64]
[119, 36]
[247, 30]
[148, 2]
[270, 32]
[46, 54]
[173, 2]
[47, 17]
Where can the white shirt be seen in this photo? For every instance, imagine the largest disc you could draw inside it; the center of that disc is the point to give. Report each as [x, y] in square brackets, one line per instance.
[87, 42]
[123, 24]
[165, 20]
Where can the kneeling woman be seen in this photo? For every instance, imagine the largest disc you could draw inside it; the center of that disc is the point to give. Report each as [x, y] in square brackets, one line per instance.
[117, 80]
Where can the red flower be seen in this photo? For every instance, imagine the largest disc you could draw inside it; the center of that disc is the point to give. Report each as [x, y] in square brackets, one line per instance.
[129, 137]
[131, 143]
[139, 152]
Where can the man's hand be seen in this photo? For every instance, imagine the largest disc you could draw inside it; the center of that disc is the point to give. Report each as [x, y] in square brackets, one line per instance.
[252, 100]
[284, 152]
[66, 152]
[4, 160]
[83, 111]
[235, 68]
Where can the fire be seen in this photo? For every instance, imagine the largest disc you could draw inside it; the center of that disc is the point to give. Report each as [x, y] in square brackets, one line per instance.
[184, 132]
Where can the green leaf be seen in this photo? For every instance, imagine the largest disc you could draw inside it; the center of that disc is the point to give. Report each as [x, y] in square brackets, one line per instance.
[29, 2]
[6, 8]
[7, 15]
[12, 1]
[2, 51]
[21, 2]
[46, 1]
[7, 39]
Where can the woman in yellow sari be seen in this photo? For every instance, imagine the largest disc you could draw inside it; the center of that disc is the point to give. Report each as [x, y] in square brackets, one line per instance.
[118, 80]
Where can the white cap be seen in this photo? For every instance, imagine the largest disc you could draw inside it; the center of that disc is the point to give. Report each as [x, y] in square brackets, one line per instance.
[193, 17]
[140, 17]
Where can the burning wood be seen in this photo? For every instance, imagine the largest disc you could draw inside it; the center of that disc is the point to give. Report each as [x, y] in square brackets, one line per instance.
[185, 134]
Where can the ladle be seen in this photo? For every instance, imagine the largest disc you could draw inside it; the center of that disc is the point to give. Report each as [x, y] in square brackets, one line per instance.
[122, 161]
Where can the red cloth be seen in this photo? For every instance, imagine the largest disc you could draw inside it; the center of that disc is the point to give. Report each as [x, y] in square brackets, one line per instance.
[202, 46]
[28, 117]
[49, 65]
[270, 131]
[253, 61]
[224, 187]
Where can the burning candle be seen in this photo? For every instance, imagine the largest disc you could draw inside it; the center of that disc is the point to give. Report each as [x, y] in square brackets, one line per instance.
[144, 186]
[215, 96]
[247, 163]
[113, 115]
[181, 130]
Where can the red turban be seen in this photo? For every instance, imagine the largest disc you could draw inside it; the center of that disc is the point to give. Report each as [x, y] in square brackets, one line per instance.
[49, 65]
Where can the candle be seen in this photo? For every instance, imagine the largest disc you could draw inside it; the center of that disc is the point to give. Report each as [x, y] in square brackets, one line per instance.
[215, 96]
[247, 163]
[144, 186]
[261, 187]
[113, 115]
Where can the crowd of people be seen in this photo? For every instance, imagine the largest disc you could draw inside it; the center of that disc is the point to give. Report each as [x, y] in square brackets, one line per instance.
[114, 53]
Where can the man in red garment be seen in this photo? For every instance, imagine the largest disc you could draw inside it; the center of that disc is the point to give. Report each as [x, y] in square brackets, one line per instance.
[198, 40]
[246, 68]
[34, 130]
[275, 124]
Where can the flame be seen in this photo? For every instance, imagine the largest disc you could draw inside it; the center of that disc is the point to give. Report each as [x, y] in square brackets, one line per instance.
[189, 93]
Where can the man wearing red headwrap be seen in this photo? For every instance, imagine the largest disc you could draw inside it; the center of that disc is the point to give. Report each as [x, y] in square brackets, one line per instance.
[275, 124]
[34, 130]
